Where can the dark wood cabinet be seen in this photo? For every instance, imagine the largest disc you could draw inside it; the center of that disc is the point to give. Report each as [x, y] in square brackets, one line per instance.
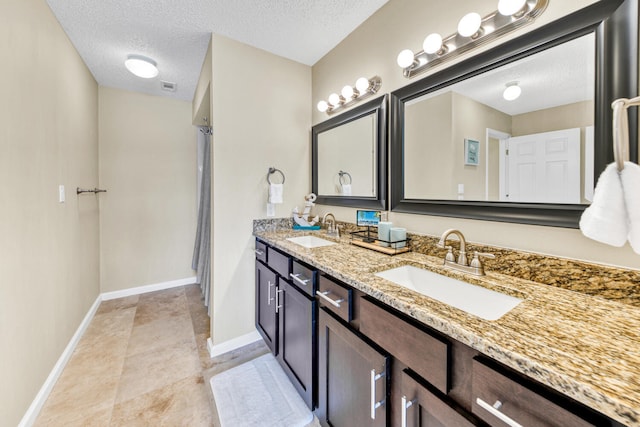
[352, 377]
[266, 314]
[360, 362]
[297, 338]
[422, 405]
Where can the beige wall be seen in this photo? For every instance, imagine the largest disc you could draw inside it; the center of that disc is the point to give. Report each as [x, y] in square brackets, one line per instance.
[428, 136]
[201, 105]
[148, 167]
[48, 250]
[372, 49]
[259, 121]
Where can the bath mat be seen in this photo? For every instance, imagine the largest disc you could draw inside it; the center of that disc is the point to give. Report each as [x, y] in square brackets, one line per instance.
[258, 393]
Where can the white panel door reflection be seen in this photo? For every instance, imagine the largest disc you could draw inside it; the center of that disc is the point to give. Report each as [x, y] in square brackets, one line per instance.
[544, 167]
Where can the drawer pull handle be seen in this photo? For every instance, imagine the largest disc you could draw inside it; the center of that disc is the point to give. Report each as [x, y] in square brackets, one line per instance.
[259, 252]
[406, 404]
[495, 411]
[278, 306]
[297, 278]
[375, 404]
[269, 299]
[323, 295]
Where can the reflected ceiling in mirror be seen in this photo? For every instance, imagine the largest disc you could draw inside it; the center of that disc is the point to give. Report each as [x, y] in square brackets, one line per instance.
[349, 156]
[537, 148]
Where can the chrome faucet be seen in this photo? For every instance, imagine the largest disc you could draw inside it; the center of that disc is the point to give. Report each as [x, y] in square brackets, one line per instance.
[475, 267]
[332, 227]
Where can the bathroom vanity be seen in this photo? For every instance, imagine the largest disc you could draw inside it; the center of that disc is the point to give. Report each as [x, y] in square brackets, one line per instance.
[376, 353]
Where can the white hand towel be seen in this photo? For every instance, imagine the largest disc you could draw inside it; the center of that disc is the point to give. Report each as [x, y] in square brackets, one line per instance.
[275, 193]
[630, 177]
[346, 189]
[606, 219]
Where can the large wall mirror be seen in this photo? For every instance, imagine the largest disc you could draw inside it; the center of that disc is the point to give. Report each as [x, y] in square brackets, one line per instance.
[349, 157]
[460, 148]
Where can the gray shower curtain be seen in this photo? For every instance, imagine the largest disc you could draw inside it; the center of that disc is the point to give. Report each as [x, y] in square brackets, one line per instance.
[201, 262]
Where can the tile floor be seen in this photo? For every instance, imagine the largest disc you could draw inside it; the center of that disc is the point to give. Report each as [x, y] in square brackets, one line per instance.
[143, 362]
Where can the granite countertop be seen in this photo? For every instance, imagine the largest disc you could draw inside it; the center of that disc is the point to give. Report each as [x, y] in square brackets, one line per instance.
[583, 346]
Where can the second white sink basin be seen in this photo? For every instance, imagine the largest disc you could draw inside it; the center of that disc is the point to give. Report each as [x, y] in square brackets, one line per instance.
[310, 242]
[476, 300]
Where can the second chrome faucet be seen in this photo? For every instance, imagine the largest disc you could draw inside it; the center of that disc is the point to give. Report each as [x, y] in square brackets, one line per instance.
[462, 264]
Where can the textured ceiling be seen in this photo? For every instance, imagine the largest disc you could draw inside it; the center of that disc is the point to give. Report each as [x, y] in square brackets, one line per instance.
[175, 33]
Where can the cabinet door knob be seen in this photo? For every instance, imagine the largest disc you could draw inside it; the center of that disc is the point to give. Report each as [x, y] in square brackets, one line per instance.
[374, 403]
[278, 306]
[406, 404]
[323, 295]
[297, 279]
[259, 252]
[495, 411]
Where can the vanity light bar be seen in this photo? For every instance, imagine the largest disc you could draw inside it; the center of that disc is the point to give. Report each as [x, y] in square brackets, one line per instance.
[472, 31]
[350, 94]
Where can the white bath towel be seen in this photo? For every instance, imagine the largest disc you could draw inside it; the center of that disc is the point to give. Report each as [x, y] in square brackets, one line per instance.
[630, 177]
[606, 219]
[346, 189]
[276, 193]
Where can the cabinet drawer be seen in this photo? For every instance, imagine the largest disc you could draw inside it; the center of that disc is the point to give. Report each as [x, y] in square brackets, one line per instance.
[424, 353]
[303, 277]
[278, 261]
[336, 297]
[497, 395]
[422, 405]
[261, 251]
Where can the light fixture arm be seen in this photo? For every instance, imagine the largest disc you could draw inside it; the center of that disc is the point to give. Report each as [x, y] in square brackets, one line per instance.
[359, 93]
[492, 26]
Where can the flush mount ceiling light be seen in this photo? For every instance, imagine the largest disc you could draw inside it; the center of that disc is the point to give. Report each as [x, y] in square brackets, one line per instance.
[512, 91]
[141, 66]
[472, 31]
[349, 95]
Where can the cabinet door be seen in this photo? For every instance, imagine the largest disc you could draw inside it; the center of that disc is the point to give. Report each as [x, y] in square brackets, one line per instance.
[352, 377]
[266, 316]
[422, 405]
[296, 336]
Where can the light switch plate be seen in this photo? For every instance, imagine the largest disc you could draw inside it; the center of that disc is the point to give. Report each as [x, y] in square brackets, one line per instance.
[61, 195]
[271, 210]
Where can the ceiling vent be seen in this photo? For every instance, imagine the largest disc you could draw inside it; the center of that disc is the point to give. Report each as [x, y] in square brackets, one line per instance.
[168, 86]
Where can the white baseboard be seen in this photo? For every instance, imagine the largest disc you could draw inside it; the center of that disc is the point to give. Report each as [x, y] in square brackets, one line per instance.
[32, 413]
[227, 346]
[148, 288]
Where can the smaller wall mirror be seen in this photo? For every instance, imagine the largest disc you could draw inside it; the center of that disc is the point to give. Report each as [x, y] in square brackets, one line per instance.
[349, 157]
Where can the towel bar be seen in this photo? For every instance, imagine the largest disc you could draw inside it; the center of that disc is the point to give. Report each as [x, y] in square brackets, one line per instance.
[95, 190]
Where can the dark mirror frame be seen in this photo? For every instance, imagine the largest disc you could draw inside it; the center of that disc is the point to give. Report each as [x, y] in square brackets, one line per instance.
[615, 23]
[377, 106]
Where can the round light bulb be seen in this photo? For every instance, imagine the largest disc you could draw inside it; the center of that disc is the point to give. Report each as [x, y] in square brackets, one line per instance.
[512, 92]
[347, 92]
[510, 7]
[362, 85]
[432, 43]
[405, 58]
[469, 24]
[141, 66]
[334, 99]
[323, 106]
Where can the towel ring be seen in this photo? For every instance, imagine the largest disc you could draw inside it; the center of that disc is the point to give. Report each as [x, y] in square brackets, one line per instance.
[342, 174]
[273, 170]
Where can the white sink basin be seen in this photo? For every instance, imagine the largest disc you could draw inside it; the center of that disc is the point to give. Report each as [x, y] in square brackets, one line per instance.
[310, 241]
[476, 300]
